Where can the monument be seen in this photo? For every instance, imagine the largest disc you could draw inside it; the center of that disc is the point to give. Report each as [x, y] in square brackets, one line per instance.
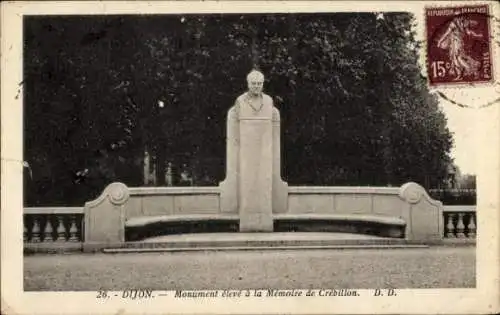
[253, 187]
[254, 198]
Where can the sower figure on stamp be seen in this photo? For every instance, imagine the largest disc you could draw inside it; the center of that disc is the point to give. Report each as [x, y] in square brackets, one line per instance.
[462, 64]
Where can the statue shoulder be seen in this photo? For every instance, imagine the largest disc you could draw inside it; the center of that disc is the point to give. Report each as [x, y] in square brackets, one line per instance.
[233, 112]
[241, 98]
[267, 98]
[237, 103]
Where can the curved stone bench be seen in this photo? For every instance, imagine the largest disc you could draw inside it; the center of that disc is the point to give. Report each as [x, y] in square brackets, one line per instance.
[144, 227]
[144, 221]
[350, 223]
[382, 219]
[141, 227]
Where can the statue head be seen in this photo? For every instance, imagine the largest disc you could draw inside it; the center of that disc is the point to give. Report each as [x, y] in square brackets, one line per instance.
[255, 80]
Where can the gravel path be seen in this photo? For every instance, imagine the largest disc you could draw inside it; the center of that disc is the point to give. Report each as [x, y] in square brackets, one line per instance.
[435, 267]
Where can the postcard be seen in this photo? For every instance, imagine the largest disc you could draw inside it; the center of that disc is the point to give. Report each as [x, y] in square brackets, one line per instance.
[250, 157]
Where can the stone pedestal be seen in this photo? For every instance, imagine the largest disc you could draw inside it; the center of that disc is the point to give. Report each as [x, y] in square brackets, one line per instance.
[253, 187]
[255, 181]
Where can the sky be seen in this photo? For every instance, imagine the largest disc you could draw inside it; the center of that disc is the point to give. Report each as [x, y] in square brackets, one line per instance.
[461, 123]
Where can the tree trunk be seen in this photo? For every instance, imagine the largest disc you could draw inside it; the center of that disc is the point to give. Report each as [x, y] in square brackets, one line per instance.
[161, 164]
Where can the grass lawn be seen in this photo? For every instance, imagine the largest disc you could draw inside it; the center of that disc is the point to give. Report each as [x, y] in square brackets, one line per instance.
[435, 267]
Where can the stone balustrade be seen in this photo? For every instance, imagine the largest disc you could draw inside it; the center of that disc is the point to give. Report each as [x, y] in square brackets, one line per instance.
[53, 225]
[66, 224]
[460, 222]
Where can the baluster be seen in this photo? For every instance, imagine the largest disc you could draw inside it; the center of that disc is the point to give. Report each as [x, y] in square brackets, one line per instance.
[35, 233]
[471, 227]
[47, 234]
[450, 227]
[460, 226]
[73, 230]
[61, 230]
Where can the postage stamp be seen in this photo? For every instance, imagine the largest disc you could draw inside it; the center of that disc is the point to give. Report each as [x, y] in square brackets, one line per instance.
[458, 44]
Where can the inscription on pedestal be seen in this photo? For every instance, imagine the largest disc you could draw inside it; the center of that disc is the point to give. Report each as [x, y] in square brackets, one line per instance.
[255, 180]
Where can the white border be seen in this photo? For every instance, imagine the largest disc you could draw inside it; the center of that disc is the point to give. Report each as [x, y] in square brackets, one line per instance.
[483, 299]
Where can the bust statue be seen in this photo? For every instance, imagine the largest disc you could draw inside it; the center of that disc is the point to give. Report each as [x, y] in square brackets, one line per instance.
[254, 103]
[253, 186]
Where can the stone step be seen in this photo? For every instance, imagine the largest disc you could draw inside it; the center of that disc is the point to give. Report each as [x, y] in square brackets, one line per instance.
[262, 241]
[257, 248]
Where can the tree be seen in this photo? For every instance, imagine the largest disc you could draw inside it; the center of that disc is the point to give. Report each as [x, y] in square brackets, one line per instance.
[355, 109]
[467, 181]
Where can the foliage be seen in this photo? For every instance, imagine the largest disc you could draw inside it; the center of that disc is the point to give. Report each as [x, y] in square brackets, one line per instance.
[451, 197]
[355, 109]
[467, 181]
